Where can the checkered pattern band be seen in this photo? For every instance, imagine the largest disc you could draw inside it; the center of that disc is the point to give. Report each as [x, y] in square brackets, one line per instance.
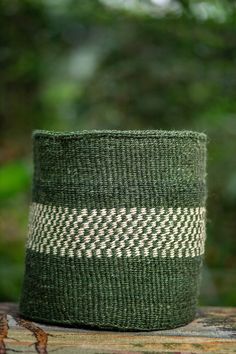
[122, 232]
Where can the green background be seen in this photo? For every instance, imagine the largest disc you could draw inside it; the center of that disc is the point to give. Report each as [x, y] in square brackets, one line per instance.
[69, 65]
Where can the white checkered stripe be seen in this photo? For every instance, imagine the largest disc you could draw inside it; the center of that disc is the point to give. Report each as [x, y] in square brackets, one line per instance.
[133, 232]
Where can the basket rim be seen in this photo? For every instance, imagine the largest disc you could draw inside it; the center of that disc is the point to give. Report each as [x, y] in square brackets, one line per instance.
[152, 133]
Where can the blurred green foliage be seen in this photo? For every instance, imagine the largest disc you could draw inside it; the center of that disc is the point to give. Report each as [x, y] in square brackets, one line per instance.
[14, 177]
[69, 65]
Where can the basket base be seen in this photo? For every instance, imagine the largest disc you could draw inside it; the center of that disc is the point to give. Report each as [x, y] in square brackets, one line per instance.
[129, 294]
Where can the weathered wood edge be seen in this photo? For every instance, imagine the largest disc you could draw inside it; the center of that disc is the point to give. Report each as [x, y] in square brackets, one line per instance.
[213, 331]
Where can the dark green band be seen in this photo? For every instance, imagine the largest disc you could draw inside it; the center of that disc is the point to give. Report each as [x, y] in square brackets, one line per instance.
[115, 169]
[111, 293]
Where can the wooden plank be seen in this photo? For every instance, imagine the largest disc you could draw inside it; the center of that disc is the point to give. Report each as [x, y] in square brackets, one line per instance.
[213, 331]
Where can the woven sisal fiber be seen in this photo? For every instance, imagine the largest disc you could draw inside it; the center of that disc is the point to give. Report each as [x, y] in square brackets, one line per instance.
[117, 229]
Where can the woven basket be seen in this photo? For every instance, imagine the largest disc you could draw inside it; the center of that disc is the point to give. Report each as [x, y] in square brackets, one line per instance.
[117, 229]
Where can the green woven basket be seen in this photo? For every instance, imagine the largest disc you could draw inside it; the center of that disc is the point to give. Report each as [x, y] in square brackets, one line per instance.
[117, 229]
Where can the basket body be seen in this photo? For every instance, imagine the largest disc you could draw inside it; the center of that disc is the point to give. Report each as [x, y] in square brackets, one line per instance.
[117, 229]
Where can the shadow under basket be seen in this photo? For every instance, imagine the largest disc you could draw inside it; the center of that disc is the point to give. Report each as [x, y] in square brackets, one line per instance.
[116, 230]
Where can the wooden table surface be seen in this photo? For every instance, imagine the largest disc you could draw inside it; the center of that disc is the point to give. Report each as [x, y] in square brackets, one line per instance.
[213, 331]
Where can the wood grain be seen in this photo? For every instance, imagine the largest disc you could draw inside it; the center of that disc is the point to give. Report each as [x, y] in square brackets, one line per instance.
[213, 331]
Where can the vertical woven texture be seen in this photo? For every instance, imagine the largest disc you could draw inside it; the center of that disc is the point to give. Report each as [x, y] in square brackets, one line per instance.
[117, 229]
